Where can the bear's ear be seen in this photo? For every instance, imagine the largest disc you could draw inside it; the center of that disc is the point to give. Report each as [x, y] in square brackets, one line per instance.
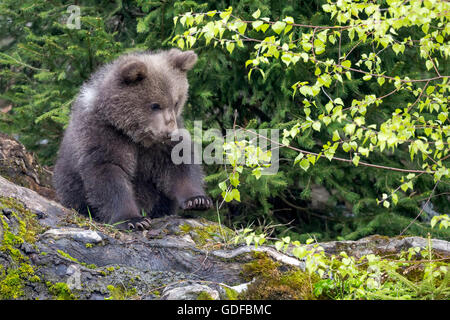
[182, 60]
[133, 71]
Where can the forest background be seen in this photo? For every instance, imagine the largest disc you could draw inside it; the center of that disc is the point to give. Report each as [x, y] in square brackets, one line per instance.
[43, 63]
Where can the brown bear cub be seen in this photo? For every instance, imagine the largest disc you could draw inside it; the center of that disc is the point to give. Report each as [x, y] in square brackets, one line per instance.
[115, 158]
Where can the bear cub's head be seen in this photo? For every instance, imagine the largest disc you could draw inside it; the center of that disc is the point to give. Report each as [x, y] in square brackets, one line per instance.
[144, 94]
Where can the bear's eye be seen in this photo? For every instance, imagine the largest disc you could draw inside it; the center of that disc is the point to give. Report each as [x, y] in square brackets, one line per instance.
[155, 106]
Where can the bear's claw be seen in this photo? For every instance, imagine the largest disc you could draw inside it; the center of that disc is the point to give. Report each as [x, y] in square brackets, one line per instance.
[139, 224]
[197, 203]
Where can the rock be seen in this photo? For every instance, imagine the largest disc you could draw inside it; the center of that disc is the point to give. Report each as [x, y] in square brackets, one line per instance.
[109, 261]
[19, 166]
[7, 212]
[319, 197]
[69, 256]
[381, 245]
[51, 252]
[77, 234]
[189, 292]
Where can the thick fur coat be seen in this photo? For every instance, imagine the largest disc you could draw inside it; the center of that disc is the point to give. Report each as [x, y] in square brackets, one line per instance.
[115, 157]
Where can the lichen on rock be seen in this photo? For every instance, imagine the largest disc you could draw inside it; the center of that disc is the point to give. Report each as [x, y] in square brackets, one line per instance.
[50, 252]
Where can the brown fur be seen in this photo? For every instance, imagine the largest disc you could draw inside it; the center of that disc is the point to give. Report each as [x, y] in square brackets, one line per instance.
[115, 155]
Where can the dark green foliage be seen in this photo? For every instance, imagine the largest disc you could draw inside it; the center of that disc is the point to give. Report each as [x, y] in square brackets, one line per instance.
[45, 64]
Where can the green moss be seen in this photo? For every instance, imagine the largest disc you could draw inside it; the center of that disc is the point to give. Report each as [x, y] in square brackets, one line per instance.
[11, 284]
[230, 293]
[270, 282]
[156, 293]
[120, 293]
[14, 278]
[60, 291]
[261, 266]
[211, 234]
[204, 296]
[186, 228]
[28, 225]
[301, 282]
[68, 256]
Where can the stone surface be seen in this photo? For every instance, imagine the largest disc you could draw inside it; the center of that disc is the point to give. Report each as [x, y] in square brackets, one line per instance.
[76, 234]
[19, 166]
[189, 292]
[169, 261]
[65, 255]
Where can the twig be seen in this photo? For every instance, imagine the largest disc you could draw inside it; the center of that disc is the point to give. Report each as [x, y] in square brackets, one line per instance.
[418, 98]
[417, 217]
[337, 158]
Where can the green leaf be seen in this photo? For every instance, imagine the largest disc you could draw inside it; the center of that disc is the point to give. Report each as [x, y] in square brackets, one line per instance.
[394, 198]
[278, 26]
[256, 14]
[279, 245]
[227, 196]
[230, 46]
[257, 173]
[264, 27]
[433, 221]
[346, 63]
[234, 179]
[298, 158]
[236, 194]
[312, 158]
[306, 90]
[180, 43]
[336, 135]
[242, 27]
[300, 252]
[223, 186]
[257, 24]
[346, 147]
[355, 160]
[316, 125]
[398, 48]
[226, 14]
[304, 164]
[317, 72]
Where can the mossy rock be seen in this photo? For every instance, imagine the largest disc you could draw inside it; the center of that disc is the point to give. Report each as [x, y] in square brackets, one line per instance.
[206, 233]
[19, 227]
[273, 281]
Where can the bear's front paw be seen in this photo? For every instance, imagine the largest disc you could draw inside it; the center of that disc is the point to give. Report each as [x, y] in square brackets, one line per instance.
[197, 203]
[135, 224]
